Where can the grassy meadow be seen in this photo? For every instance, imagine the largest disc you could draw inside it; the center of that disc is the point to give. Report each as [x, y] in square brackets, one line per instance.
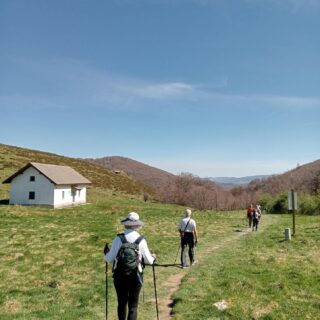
[52, 264]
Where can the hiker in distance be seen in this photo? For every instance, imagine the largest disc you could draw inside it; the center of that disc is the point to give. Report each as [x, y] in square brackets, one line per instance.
[258, 209]
[256, 215]
[128, 253]
[249, 215]
[189, 238]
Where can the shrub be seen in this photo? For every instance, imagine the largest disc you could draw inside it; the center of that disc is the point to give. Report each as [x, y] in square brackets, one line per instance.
[145, 197]
[309, 205]
[279, 204]
[266, 202]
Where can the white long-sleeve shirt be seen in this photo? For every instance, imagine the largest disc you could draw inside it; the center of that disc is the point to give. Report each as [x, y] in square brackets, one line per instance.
[131, 236]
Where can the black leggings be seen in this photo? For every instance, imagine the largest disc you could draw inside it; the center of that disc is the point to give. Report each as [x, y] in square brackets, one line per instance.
[187, 240]
[255, 223]
[128, 290]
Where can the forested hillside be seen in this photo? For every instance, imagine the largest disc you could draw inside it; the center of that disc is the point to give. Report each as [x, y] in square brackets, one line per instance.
[184, 189]
[305, 178]
[190, 190]
[272, 192]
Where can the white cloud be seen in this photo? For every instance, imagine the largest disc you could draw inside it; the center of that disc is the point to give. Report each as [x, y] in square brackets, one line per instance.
[163, 90]
[71, 83]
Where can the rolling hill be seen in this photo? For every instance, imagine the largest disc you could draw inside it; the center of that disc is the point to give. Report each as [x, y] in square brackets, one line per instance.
[13, 158]
[148, 175]
[133, 177]
[300, 178]
[227, 183]
[237, 181]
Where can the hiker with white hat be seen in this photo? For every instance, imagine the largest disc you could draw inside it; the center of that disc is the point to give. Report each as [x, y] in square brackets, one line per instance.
[189, 238]
[128, 253]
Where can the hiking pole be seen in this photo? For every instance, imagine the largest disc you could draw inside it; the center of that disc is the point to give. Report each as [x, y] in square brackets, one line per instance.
[105, 251]
[165, 265]
[175, 260]
[106, 290]
[194, 252]
[155, 290]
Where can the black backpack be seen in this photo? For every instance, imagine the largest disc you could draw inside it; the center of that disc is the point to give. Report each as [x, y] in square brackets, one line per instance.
[127, 261]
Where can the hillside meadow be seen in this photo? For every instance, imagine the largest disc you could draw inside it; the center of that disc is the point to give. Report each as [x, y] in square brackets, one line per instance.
[52, 264]
[14, 158]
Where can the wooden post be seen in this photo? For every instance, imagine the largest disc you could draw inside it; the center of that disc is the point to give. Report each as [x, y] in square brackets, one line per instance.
[293, 213]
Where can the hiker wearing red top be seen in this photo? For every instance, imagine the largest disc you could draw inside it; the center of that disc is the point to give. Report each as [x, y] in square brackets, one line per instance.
[249, 215]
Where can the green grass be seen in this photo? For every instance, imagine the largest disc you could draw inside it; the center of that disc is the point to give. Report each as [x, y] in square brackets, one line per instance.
[260, 276]
[52, 264]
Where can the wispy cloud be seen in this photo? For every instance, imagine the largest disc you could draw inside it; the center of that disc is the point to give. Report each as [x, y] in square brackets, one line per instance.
[163, 90]
[70, 84]
[297, 3]
[288, 3]
[292, 5]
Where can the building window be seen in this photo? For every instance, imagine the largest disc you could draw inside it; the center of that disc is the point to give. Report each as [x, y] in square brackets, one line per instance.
[32, 178]
[32, 195]
[62, 195]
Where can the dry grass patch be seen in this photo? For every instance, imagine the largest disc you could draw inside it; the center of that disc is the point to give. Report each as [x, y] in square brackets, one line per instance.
[12, 306]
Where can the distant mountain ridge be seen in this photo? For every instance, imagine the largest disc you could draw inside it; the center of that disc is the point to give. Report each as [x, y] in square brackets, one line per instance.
[159, 179]
[238, 181]
[148, 175]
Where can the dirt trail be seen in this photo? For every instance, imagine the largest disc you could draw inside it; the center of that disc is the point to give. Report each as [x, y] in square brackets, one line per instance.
[174, 281]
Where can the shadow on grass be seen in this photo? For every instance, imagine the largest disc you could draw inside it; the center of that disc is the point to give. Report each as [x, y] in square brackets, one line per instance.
[172, 304]
[4, 202]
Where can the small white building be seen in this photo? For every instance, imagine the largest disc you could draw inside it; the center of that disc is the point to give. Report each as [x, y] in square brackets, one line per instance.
[47, 185]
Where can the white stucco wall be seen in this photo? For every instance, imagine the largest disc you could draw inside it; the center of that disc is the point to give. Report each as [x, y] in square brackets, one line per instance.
[21, 186]
[63, 196]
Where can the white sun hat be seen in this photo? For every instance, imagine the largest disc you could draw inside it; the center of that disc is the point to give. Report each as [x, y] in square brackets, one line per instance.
[132, 220]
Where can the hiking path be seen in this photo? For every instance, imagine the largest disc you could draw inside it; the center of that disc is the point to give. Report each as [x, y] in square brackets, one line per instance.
[173, 282]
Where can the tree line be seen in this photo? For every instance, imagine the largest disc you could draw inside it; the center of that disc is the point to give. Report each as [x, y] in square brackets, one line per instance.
[190, 190]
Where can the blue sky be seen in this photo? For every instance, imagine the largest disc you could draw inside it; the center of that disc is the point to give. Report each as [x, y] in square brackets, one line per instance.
[211, 87]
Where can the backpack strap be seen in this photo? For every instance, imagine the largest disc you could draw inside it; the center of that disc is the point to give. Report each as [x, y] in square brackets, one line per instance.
[184, 230]
[122, 237]
[187, 225]
[139, 240]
